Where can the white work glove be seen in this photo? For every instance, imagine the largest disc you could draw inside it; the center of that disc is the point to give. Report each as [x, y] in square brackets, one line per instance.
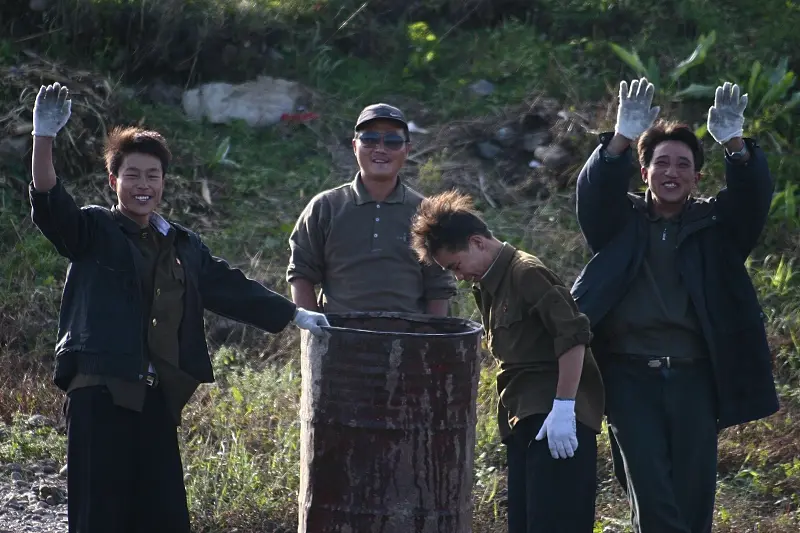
[559, 426]
[51, 110]
[313, 322]
[726, 116]
[634, 114]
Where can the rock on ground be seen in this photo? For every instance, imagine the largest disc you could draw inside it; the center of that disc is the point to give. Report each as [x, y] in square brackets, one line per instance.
[33, 498]
[260, 102]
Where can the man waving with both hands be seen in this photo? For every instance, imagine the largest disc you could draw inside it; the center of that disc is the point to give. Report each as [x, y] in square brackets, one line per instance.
[679, 333]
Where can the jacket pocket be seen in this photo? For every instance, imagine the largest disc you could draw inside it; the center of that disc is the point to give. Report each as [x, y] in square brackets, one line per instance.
[502, 327]
[506, 316]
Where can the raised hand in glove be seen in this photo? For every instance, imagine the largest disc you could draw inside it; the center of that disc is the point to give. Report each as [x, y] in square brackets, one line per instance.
[634, 114]
[51, 110]
[560, 429]
[313, 322]
[726, 116]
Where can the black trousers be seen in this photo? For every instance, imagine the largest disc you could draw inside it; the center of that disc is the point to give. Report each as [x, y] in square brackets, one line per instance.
[547, 495]
[664, 429]
[125, 473]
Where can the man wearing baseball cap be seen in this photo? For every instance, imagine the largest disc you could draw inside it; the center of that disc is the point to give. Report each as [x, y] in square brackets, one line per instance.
[353, 240]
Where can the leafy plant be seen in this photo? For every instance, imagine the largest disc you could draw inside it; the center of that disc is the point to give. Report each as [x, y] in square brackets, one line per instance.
[651, 70]
[784, 207]
[423, 43]
[771, 101]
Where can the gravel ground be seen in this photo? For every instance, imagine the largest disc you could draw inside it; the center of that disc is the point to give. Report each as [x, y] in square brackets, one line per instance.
[33, 498]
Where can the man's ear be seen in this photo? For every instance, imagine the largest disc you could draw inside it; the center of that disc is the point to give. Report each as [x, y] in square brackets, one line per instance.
[698, 177]
[477, 240]
[112, 181]
[644, 174]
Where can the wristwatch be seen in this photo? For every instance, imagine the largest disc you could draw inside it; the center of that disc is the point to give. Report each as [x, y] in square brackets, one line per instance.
[738, 156]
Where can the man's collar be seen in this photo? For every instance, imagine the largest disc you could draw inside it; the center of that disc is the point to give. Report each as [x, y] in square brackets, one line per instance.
[494, 274]
[362, 196]
[156, 221]
[653, 216]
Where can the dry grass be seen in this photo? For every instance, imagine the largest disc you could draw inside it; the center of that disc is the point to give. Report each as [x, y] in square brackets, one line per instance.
[94, 109]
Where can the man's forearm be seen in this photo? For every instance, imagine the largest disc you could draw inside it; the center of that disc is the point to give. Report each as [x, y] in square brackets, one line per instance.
[570, 366]
[44, 173]
[303, 294]
[437, 307]
[617, 145]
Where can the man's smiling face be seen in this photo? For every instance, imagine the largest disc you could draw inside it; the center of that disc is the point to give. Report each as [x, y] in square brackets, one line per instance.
[671, 175]
[139, 184]
[381, 149]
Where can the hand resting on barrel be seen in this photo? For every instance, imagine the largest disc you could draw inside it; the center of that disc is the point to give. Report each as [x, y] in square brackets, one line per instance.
[313, 322]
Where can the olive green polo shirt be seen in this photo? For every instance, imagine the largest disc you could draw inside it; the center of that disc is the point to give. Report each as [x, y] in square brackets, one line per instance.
[531, 320]
[162, 282]
[359, 251]
[656, 316]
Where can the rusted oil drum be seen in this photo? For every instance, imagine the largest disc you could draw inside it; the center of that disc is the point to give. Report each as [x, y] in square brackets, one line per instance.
[388, 424]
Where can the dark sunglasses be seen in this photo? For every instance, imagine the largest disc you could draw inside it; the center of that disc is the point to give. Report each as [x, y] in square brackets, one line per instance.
[392, 141]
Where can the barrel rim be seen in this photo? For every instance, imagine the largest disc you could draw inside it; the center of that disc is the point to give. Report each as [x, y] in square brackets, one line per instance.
[473, 327]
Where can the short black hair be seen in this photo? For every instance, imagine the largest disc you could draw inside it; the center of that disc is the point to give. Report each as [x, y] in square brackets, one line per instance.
[123, 141]
[445, 221]
[663, 131]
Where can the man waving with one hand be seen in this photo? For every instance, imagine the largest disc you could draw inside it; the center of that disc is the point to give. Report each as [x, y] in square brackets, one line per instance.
[132, 349]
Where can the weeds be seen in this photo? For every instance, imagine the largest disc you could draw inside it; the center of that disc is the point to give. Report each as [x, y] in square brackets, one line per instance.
[19, 442]
[668, 85]
[241, 446]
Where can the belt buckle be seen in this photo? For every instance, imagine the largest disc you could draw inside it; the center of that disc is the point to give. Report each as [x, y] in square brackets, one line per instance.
[151, 379]
[654, 363]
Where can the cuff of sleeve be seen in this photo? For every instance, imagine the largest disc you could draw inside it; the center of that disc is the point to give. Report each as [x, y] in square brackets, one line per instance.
[291, 314]
[604, 138]
[750, 144]
[299, 272]
[44, 194]
[42, 202]
[565, 343]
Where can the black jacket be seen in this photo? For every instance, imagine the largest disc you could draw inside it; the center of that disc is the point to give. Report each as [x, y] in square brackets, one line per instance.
[715, 238]
[99, 326]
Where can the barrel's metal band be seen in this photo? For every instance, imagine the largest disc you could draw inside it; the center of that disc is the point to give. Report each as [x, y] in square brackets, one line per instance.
[402, 333]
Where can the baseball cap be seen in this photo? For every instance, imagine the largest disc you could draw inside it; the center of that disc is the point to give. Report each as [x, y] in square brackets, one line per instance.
[384, 111]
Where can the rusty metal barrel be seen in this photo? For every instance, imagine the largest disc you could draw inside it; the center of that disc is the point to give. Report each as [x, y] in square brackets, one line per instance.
[388, 417]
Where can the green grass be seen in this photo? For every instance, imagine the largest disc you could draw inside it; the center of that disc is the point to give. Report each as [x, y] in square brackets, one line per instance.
[19, 442]
[240, 436]
[241, 455]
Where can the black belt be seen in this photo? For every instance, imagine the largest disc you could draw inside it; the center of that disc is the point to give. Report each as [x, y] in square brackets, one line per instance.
[656, 362]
